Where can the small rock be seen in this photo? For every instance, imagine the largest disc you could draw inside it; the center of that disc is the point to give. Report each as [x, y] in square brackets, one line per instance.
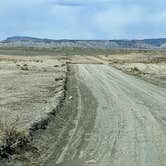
[91, 162]
[70, 98]
[45, 101]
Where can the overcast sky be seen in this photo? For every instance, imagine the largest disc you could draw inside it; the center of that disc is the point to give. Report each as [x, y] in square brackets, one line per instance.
[83, 19]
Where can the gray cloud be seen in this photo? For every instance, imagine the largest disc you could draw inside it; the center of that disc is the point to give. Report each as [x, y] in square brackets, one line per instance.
[80, 3]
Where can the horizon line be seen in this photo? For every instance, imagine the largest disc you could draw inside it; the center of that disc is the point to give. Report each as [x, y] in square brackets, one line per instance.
[42, 38]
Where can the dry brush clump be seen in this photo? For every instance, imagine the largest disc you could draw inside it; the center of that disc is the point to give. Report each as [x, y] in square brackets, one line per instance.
[135, 70]
[16, 143]
[23, 67]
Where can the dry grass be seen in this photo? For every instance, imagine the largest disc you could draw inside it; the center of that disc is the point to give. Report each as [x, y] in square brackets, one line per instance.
[16, 143]
[24, 67]
[135, 70]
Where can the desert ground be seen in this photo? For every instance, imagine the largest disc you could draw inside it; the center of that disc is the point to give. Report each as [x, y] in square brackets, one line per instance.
[30, 88]
[82, 110]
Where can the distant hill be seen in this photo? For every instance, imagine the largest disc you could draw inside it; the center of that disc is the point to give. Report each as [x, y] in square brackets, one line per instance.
[23, 41]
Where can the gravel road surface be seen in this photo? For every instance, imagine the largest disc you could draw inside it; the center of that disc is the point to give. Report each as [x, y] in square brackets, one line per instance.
[129, 128]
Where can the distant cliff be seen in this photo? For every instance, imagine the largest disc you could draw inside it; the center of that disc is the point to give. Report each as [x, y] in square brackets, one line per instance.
[23, 41]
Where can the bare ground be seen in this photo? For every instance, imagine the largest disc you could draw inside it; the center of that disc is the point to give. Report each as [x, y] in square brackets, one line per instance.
[30, 89]
[108, 117]
[152, 72]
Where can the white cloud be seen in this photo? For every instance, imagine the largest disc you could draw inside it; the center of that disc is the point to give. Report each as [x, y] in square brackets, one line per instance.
[81, 19]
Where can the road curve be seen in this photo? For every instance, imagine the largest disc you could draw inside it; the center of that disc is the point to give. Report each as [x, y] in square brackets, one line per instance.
[112, 119]
[130, 121]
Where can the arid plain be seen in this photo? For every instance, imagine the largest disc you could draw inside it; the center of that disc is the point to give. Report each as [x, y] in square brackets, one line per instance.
[84, 109]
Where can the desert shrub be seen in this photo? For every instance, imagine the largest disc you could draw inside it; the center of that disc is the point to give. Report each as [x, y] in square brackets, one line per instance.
[38, 61]
[59, 79]
[63, 64]
[17, 64]
[56, 65]
[24, 68]
[15, 142]
[135, 70]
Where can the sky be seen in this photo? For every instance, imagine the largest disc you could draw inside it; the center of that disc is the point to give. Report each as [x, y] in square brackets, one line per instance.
[83, 19]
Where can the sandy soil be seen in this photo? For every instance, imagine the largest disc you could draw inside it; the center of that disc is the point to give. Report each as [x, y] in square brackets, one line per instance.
[153, 72]
[30, 88]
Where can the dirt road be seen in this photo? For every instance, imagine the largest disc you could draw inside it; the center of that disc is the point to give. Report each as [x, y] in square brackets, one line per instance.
[130, 121]
[118, 120]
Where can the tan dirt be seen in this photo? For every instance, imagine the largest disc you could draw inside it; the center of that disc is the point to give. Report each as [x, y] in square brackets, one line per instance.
[30, 88]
